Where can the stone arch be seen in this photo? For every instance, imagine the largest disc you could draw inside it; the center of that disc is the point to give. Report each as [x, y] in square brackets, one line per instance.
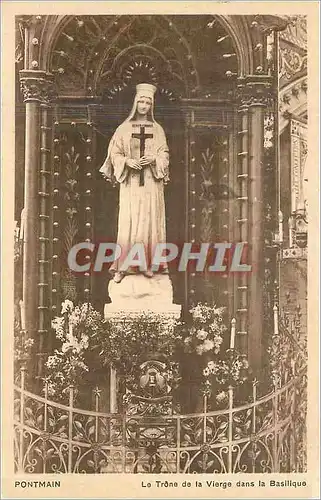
[53, 26]
[238, 29]
[235, 28]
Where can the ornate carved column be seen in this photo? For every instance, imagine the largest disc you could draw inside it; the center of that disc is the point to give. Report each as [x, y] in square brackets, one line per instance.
[256, 281]
[254, 96]
[36, 87]
[242, 174]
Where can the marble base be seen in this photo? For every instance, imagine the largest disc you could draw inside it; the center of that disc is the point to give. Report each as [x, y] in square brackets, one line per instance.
[137, 294]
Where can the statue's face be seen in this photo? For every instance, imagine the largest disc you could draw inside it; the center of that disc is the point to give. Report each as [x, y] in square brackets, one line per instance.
[143, 105]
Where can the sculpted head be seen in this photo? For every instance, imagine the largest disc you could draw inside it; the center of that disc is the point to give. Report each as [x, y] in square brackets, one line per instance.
[144, 99]
[144, 104]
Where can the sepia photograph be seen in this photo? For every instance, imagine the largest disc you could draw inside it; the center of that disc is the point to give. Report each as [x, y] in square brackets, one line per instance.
[161, 179]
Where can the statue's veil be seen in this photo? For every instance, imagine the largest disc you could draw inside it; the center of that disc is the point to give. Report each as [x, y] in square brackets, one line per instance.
[142, 90]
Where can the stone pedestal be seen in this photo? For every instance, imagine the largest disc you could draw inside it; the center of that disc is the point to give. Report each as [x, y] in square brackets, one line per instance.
[133, 296]
[137, 294]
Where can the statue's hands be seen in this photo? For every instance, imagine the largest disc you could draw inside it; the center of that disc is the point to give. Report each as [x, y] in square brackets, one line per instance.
[146, 160]
[133, 164]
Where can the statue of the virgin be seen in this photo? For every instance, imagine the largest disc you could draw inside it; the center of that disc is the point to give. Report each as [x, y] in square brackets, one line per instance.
[138, 160]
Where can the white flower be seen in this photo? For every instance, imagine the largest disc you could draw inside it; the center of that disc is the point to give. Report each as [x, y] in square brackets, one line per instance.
[84, 342]
[65, 346]
[213, 368]
[58, 324]
[51, 391]
[51, 361]
[245, 364]
[221, 396]
[197, 312]
[70, 337]
[201, 334]
[67, 306]
[199, 349]
[208, 345]
[206, 372]
[71, 344]
[28, 343]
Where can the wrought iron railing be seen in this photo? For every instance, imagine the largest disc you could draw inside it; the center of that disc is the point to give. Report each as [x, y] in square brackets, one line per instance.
[265, 435]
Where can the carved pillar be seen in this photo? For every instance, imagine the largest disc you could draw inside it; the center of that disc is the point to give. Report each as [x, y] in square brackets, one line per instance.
[256, 281]
[36, 87]
[189, 201]
[254, 96]
[243, 222]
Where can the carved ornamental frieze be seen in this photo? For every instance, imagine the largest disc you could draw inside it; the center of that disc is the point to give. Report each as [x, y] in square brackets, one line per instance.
[37, 86]
[256, 92]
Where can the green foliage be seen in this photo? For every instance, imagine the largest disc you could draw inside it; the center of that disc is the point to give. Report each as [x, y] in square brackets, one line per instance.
[22, 348]
[91, 343]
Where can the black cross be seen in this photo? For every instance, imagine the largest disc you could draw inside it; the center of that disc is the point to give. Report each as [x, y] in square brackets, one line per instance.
[142, 137]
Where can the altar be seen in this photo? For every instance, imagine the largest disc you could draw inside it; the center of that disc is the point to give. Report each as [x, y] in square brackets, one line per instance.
[219, 123]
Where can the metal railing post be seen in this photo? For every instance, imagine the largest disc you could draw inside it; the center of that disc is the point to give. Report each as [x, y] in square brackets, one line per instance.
[45, 425]
[178, 444]
[22, 401]
[230, 429]
[275, 422]
[70, 424]
[254, 424]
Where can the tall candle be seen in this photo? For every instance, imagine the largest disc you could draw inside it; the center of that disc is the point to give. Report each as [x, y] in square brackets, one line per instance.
[113, 390]
[22, 315]
[233, 328]
[280, 227]
[291, 227]
[276, 319]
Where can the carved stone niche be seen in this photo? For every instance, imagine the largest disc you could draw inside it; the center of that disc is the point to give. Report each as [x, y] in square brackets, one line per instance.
[37, 86]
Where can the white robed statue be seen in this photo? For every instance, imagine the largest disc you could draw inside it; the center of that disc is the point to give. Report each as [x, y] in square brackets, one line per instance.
[138, 160]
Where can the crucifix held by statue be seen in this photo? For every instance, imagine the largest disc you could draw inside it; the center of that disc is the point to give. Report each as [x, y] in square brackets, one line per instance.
[142, 136]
